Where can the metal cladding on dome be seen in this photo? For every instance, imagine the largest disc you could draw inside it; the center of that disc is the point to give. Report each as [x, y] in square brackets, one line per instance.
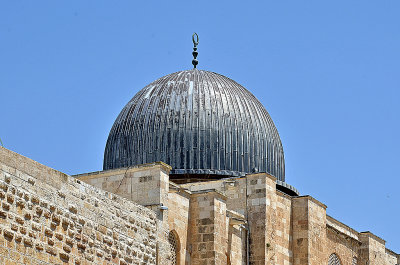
[200, 123]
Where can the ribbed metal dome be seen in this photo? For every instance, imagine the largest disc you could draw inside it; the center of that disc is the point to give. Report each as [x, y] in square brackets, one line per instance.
[198, 122]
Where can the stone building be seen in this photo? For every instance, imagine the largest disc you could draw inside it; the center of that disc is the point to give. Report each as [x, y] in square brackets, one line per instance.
[193, 173]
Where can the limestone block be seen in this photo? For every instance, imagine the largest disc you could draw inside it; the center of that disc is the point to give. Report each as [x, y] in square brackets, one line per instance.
[54, 218]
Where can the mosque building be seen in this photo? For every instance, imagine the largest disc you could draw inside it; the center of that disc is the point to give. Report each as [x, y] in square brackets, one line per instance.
[193, 173]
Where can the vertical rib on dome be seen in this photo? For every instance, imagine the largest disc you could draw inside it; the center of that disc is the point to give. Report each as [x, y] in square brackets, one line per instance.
[198, 122]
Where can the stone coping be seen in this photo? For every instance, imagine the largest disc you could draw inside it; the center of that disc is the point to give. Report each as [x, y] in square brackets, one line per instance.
[311, 199]
[54, 178]
[176, 188]
[235, 219]
[377, 238]
[200, 183]
[32, 168]
[234, 214]
[391, 252]
[117, 171]
[202, 192]
[342, 228]
[262, 173]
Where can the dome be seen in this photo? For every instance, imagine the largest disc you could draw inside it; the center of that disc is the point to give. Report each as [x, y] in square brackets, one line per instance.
[199, 122]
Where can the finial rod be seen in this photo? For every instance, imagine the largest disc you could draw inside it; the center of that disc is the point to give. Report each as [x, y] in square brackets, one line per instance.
[195, 39]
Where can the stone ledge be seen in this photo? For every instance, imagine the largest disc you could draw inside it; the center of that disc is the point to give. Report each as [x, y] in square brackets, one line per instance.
[341, 228]
[377, 238]
[311, 199]
[202, 192]
[231, 213]
[175, 188]
[124, 170]
[391, 252]
[260, 174]
[32, 168]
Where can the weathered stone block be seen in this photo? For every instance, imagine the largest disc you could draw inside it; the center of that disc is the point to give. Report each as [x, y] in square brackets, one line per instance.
[3, 186]
[3, 215]
[5, 206]
[80, 204]
[39, 246]
[51, 250]
[28, 242]
[9, 235]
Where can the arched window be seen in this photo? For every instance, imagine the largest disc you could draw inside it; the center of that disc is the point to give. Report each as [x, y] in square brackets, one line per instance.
[174, 247]
[334, 260]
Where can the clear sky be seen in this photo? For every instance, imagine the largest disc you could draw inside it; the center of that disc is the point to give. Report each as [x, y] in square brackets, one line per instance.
[327, 72]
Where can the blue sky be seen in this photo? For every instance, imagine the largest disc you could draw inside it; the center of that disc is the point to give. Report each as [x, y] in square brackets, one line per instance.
[327, 72]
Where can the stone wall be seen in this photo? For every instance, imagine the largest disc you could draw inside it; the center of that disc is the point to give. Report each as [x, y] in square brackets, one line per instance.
[146, 184]
[288, 230]
[207, 228]
[284, 229]
[341, 240]
[261, 214]
[392, 257]
[373, 251]
[47, 217]
[178, 220]
[237, 239]
[316, 231]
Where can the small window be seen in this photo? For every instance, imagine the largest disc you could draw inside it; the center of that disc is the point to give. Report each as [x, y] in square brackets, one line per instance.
[174, 247]
[334, 260]
[354, 261]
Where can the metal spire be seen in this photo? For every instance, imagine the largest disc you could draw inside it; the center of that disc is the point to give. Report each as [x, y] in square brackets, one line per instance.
[195, 39]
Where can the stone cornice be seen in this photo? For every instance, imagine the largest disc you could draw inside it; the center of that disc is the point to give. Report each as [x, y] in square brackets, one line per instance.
[112, 172]
[261, 174]
[202, 192]
[341, 228]
[311, 199]
[377, 238]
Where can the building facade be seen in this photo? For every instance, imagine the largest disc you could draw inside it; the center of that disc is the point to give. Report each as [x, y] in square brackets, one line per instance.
[219, 196]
